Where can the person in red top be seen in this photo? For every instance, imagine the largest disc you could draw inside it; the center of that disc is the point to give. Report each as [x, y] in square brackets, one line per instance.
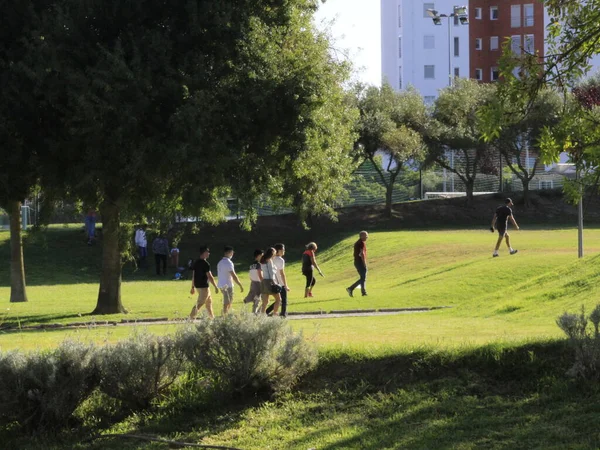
[360, 262]
[308, 262]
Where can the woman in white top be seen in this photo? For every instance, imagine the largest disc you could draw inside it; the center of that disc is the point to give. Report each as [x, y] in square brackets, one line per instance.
[269, 279]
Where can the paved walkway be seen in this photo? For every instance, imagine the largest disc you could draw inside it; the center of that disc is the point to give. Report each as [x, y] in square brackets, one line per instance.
[291, 316]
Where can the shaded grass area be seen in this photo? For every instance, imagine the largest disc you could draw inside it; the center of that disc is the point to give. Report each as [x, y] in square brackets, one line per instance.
[494, 396]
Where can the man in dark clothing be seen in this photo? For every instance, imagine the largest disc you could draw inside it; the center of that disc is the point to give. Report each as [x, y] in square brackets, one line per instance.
[201, 275]
[160, 247]
[500, 220]
[360, 263]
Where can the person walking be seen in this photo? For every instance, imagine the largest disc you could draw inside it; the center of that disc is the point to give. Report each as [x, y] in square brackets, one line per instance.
[201, 276]
[281, 279]
[254, 292]
[269, 286]
[226, 275]
[160, 248]
[309, 262]
[141, 243]
[500, 222]
[360, 263]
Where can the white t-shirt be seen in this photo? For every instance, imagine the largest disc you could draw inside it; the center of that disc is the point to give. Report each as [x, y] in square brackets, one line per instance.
[269, 271]
[254, 271]
[224, 269]
[279, 264]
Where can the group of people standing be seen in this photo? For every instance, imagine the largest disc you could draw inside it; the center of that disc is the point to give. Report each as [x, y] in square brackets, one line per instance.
[267, 278]
[160, 247]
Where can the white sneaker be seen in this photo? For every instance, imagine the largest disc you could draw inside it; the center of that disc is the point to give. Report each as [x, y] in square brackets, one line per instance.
[512, 252]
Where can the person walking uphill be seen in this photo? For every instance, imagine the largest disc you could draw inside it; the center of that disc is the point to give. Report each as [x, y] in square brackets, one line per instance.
[226, 274]
[360, 263]
[201, 276]
[160, 248]
[308, 263]
[500, 221]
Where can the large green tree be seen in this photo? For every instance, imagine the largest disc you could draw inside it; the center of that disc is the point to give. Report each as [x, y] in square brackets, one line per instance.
[391, 126]
[174, 105]
[454, 133]
[25, 120]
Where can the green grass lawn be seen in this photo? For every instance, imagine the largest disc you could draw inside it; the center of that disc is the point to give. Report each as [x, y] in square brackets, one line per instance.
[489, 372]
[507, 298]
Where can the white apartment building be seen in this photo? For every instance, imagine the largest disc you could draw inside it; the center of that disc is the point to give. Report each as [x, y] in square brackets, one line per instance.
[415, 51]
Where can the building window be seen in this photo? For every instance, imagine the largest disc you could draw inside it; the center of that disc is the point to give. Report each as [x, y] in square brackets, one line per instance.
[478, 44]
[478, 13]
[400, 47]
[456, 72]
[515, 44]
[517, 72]
[429, 99]
[529, 46]
[429, 72]
[494, 74]
[515, 16]
[427, 6]
[493, 13]
[494, 43]
[399, 77]
[479, 74]
[546, 184]
[456, 46]
[399, 16]
[528, 13]
[428, 42]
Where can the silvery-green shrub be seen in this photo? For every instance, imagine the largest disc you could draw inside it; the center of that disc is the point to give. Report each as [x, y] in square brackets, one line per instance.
[138, 370]
[585, 342]
[248, 353]
[40, 390]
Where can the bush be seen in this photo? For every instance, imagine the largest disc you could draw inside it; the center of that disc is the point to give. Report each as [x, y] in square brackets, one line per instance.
[586, 342]
[140, 369]
[248, 354]
[40, 390]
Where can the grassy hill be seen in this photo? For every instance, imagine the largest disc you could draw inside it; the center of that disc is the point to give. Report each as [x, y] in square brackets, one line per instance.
[488, 372]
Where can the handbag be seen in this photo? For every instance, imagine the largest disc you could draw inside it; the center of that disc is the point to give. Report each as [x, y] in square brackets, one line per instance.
[275, 288]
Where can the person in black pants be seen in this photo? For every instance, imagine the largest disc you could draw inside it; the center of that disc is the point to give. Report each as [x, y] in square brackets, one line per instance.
[360, 263]
[160, 247]
[279, 263]
[308, 262]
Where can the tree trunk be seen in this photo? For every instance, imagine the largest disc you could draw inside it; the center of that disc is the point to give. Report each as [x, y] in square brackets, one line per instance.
[469, 188]
[525, 182]
[109, 297]
[389, 189]
[17, 264]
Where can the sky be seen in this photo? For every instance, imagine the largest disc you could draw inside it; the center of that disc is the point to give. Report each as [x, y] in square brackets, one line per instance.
[356, 30]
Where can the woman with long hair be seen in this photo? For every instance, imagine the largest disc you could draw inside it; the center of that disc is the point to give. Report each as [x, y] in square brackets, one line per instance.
[269, 280]
[308, 263]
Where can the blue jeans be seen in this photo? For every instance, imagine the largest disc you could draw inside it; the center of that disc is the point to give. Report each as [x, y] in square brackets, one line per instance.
[362, 281]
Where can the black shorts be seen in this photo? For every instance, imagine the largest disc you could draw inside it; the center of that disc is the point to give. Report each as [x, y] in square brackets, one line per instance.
[501, 231]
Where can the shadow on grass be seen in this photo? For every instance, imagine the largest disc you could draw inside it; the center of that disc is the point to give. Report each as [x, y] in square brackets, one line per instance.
[14, 324]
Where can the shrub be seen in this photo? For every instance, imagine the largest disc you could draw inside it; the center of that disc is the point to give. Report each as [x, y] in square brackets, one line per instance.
[138, 370]
[585, 342]
[40, 390]
[248, 354]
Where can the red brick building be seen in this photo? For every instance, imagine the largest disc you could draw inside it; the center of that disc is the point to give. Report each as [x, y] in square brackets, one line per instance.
[492, 22]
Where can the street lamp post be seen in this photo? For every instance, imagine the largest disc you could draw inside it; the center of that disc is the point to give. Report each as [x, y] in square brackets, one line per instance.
[463, 16]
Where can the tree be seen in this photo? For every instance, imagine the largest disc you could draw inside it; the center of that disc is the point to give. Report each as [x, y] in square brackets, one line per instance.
[456, 127]
[24, 122]
[171, 106]
[519, 134]
[391, 123]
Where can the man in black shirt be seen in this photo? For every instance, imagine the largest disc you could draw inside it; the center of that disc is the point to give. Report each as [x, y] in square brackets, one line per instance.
[500, 220]
[201, 276]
